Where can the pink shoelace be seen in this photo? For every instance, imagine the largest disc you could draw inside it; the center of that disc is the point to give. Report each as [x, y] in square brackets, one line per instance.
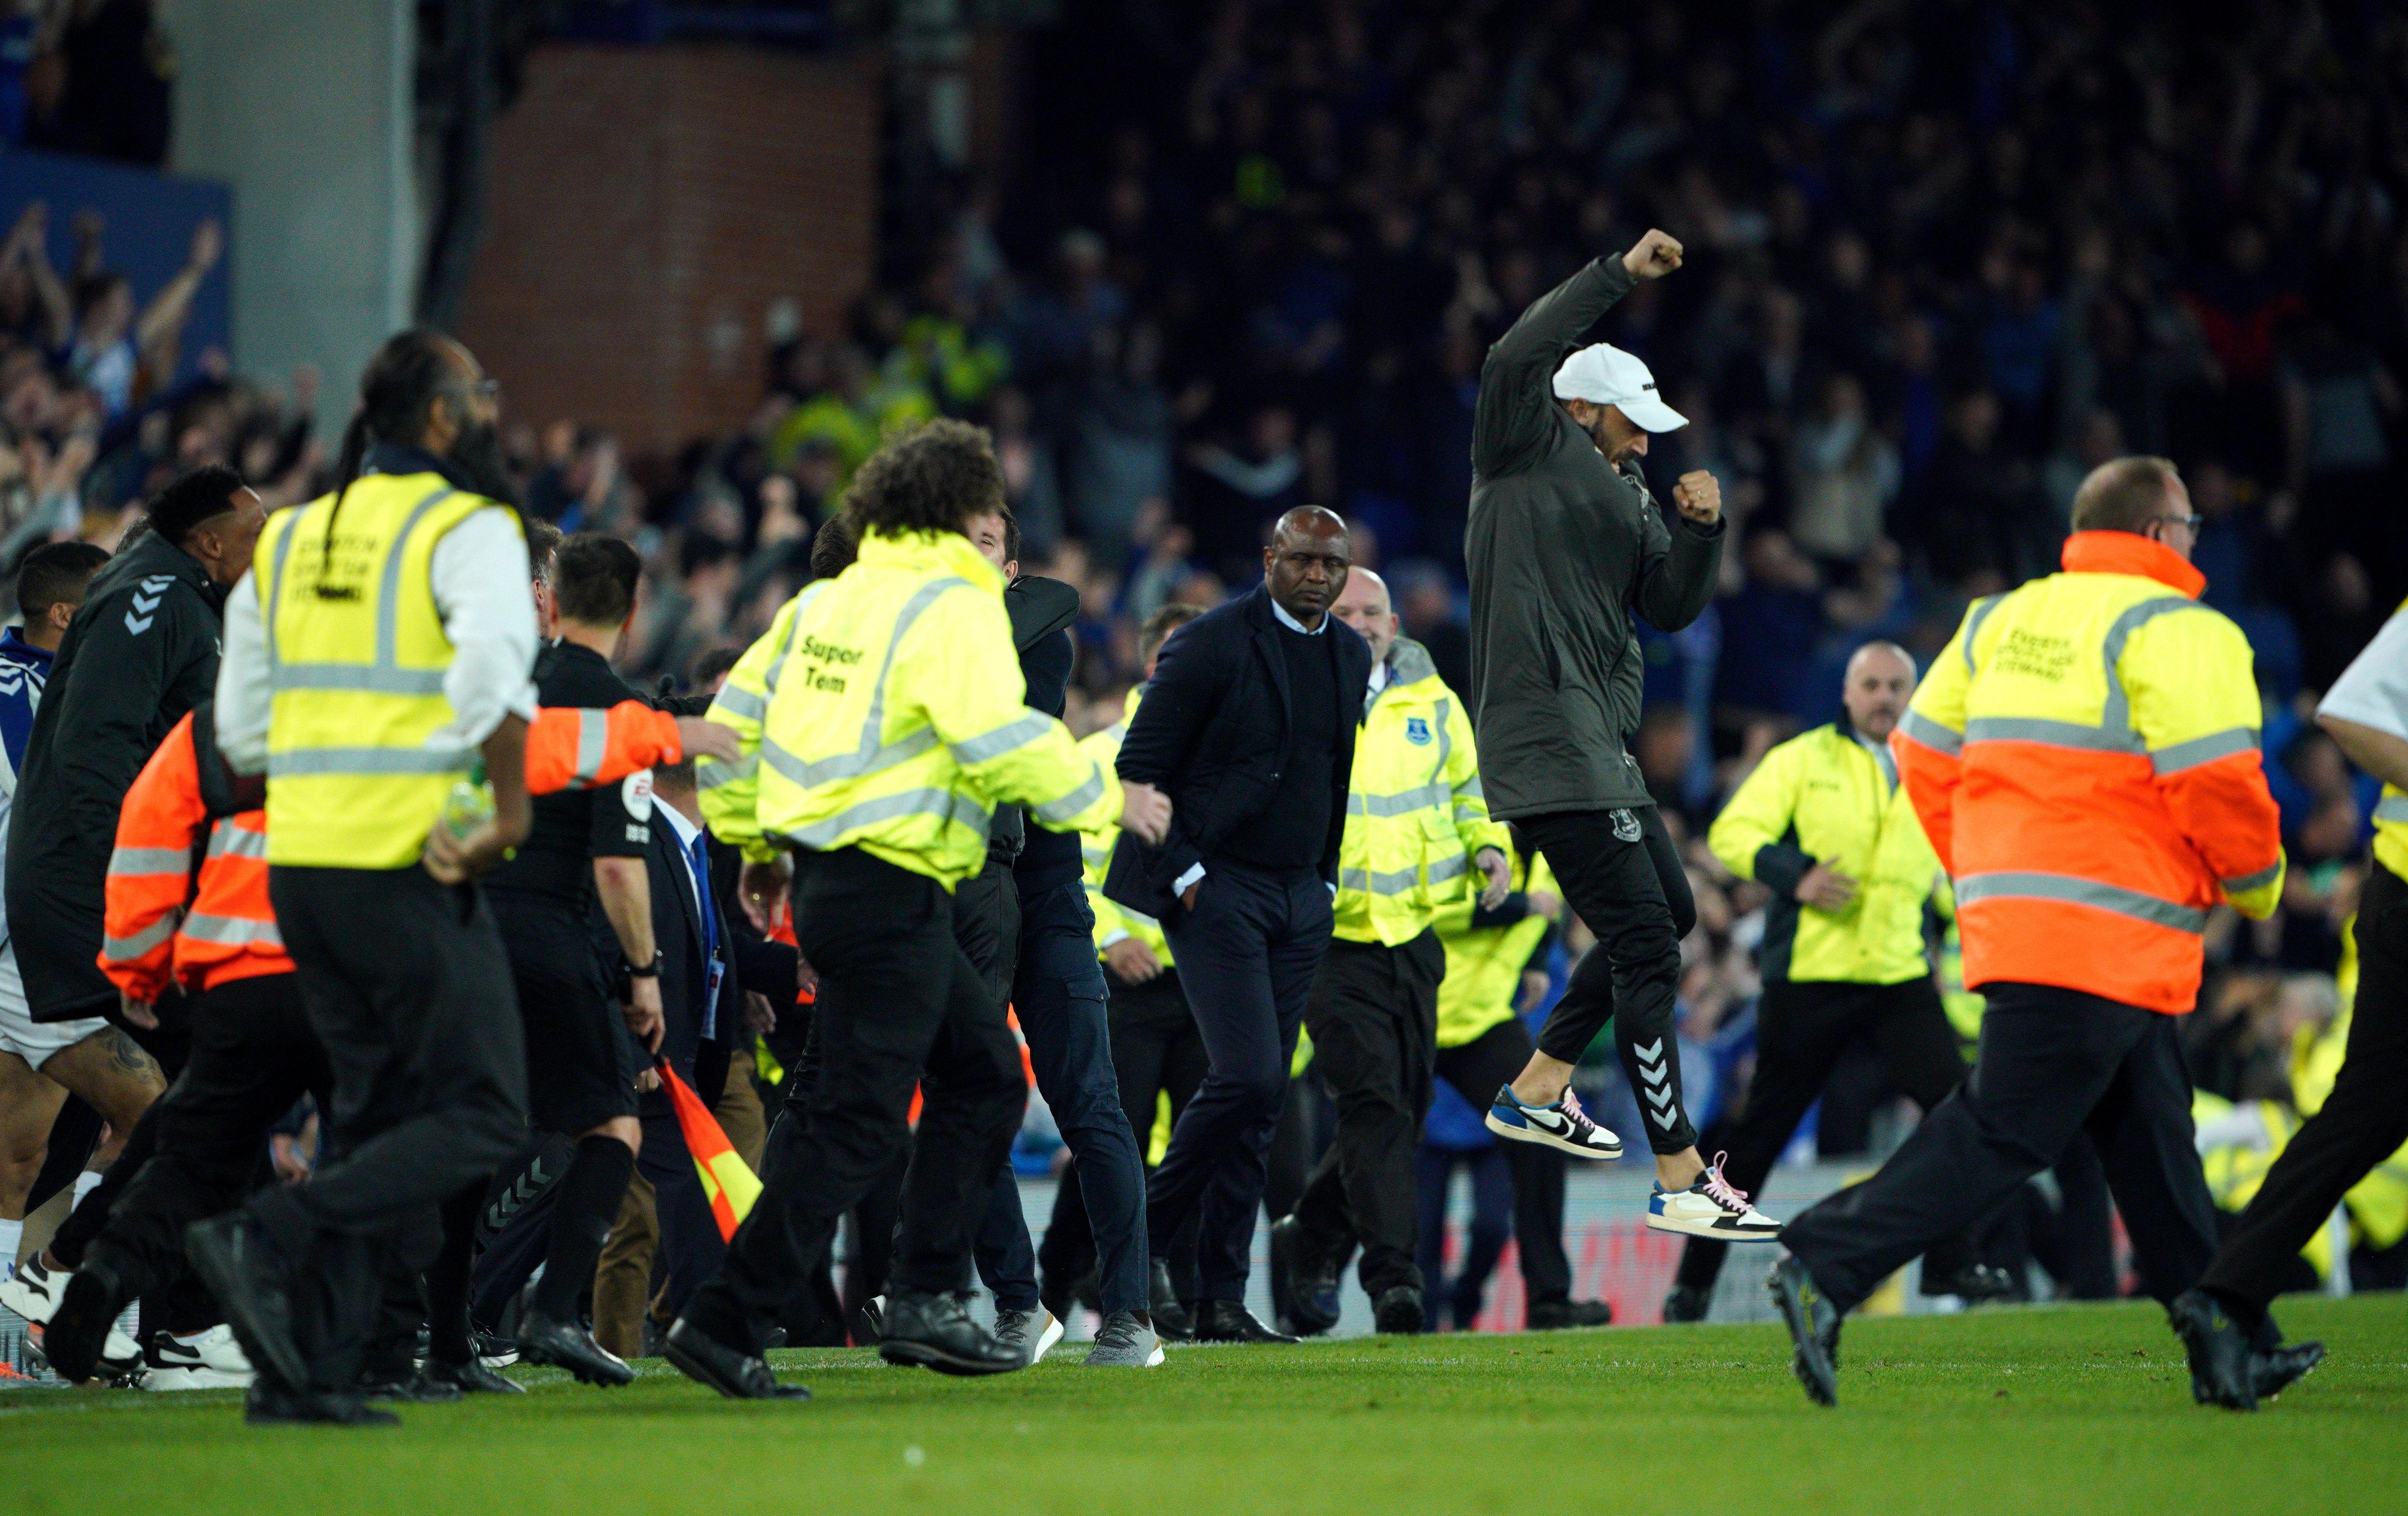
[1721, 1191]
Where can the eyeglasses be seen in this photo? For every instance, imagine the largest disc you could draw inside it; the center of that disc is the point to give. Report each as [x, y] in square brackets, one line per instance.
[2192, 521]
[489, 389]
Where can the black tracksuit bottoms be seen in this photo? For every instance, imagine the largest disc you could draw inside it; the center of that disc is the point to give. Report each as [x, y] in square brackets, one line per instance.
[899, 1004]
[1373, 1016]
[2053, 1062]
[408, 992]
[1622, 876]
[2362, 1121]
[1801, 1029]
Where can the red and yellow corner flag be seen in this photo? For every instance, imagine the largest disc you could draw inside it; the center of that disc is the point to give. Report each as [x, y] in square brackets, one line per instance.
[731, 1186]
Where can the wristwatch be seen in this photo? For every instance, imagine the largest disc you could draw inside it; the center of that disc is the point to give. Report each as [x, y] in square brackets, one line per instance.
[650, 971]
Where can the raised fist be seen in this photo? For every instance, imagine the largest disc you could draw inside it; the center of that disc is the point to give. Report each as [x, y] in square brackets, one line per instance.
[1655, 256]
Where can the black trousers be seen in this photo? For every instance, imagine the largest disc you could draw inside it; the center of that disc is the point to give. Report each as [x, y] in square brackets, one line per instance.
[1375, 1021]
[408, 992]
[1476, 1068]
[1622, 875]
[1247, 955]
[899, 1004]
[2053, 1062]
[1157, 1051]
[581, 1059]
[2362, 1121]
[254, 1055]
[1801, 1029]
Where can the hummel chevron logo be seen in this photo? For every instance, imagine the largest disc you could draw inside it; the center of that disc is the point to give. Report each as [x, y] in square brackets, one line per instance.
[145, 608]
[1657, 1076]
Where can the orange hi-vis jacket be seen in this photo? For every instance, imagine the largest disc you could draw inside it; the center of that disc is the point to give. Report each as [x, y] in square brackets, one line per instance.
[169, 923]
[2084, 755]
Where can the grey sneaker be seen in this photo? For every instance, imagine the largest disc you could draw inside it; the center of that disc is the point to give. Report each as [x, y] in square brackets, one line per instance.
[1122, 1343]
[1033, 1333]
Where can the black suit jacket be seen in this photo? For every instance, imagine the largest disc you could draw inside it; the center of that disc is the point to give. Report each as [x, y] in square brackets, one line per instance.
[753, 963]
[1215, 733]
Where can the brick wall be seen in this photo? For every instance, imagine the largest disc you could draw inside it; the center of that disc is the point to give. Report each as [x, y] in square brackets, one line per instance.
[646, 208]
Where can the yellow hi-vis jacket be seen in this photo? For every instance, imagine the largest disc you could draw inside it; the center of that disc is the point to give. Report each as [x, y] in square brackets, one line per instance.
[357, 654]
[1483, 963]
[1823, 797]
[1114, 920]
[1414, 814]
[883, 711]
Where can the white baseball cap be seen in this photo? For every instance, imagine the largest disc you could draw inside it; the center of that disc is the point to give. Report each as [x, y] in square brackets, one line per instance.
[1604, 375]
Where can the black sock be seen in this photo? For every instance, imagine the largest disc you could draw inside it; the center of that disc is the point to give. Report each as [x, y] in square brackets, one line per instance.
[585, 1205]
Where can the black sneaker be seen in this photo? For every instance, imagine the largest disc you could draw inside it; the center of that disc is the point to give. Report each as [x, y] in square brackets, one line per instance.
[1559, 1315]
[934, 1331]
[1687, 1303]
[869, 1323]
[1171, 1322]
[246, 1272]
[1304, 1284]
[2218, 1349]
[471, 1378]
[1814, 1328]
[1399, 1311]
[737, 1375]
[78, 1328]
[545, 1340]
[271, 1404]
[1226, 1320]
[1977, 1284]
[415, 1388]
[2277, 1369]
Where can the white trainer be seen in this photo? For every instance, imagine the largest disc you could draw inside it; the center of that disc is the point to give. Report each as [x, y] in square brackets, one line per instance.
[32, 1290]
[212, 1361]
[1710, 1209]
[1563, 1125]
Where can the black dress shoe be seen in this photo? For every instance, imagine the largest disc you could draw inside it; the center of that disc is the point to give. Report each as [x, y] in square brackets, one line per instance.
[1813, 1329]
[738, 1376]
[934, 1331]
[1171, 1322]
[1686, 1303]
[246, 1272]
[2218, 1349]
[543, 1340]
[1978, 1283]
[1397, 1311]
[1228, 1321]
[78, 1328]
[271, 1404]
[2277, 1369]
[412, 1388]
[1304, 1283]
[1558, 1315]
[471, 1378]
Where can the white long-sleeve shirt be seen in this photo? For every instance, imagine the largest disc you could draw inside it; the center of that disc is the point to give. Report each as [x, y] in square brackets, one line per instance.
[482, 584]
[2374, 689]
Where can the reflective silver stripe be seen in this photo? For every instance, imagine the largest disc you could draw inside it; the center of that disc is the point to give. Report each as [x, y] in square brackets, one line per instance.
[1974, 616]
[367, 761]
[2203, 749]
[1453, 866]
[2055, 734]
[735, 773]
[1403, 803]
[275, 595]
[231, 931]
[793, 633]
[150, 861]
[1939, 738]
[1011, 736]
[1076, 801]
[1118, 732]
[385, 675]
[846, 765]
[359, 677]
[742, 704]
[942, 804]
[2117, 715]
[227, 840]
[2391, 807]
[1396, 882]
[2259, 881]
[592, 745]
[1445, 742]
[127, 948]
[1471, 790]
[2080, 892]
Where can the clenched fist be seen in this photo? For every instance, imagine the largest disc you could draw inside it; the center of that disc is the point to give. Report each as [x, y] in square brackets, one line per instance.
[1656, 255]
[1697, 496]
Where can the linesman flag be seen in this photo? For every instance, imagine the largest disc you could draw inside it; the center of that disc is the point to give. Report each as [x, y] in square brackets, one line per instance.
[731, 1186]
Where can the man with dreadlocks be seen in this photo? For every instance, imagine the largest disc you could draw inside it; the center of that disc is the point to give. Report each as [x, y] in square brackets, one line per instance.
[376, 655]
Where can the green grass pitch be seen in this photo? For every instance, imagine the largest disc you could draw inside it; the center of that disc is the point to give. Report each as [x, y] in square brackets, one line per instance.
[2051, 1410]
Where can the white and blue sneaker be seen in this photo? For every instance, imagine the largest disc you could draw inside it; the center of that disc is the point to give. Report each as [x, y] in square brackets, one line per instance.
[1563, 1125]
[1710, 1209]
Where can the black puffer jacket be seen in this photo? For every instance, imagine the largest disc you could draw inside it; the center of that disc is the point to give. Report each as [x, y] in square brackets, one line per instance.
[141, 652]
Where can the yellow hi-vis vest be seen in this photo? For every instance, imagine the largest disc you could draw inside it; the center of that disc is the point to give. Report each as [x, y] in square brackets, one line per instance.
[356, 655]
[1114, 920]
[1824, 795]
[1483, 964]
[884, 710]
[1414, 813]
